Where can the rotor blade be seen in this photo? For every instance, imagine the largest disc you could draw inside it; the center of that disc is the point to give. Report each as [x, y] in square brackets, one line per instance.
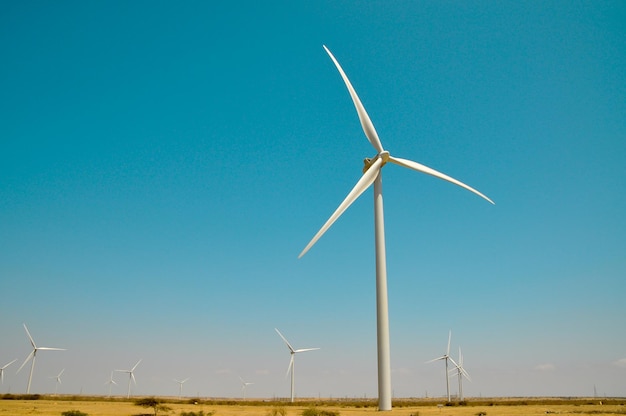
[290, 366]
[51, 349]
[425, 169]
[306, 349]
[32, 353]
[133, 369]
[454, 362]
[133, 377]
[32, 341]
[465, 374]
[285, 339]
[436, 359]
[449, 338]
[6, 365]
[366, 123]
[366, 180]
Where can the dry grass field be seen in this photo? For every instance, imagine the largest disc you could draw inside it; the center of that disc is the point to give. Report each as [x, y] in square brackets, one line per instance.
[55, 406]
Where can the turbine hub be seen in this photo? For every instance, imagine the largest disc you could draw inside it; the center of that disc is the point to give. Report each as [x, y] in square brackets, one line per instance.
[367, 162]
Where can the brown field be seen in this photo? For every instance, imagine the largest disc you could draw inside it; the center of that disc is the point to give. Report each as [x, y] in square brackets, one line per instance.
[94, 406]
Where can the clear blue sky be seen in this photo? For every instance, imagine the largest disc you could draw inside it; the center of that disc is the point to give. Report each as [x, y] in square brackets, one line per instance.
[162, 165]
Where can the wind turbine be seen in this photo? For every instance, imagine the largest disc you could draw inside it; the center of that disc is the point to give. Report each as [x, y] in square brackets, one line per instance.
[372, 173]
[292, 365]
[460, 372]
[110, 383]
[180, 390]
[58, 381]
[131, 376]
[244, 385]
[33, 355]
[445, 357]
[2, 370]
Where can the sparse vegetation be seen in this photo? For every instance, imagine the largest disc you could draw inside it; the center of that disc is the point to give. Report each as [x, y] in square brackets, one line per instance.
[74, 413]
[200, 413]
[314, 411]
[277, 411]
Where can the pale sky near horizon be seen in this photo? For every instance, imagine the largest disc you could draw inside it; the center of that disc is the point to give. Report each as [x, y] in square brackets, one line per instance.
[162, 165]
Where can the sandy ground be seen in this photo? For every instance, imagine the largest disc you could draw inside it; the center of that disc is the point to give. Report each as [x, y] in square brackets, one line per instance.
[104, 408]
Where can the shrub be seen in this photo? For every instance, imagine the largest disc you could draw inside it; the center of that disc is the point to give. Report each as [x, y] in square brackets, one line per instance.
[73, 413]
[200, 413]
[314, 411]
[277, 411]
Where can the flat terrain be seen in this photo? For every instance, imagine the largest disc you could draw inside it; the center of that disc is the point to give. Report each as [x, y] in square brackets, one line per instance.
[49, 406]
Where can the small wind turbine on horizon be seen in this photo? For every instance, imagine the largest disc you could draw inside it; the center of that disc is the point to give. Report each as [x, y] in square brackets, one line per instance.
[244, 385]
[33, 356]
[460, 372]
[292, 365]
[2, 370]
[110, 383]
[131, 376]
[372, 174]
[180, 390]
[445, 357]
[57, 381]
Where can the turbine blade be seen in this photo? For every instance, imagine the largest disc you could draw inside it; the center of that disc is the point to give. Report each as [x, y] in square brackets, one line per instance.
[366, 123]
[465, 374]
[51, 349]
[290, 366]
[32, 353]
[449, 338]
[6, 365]
[306, 349]
[454, 362]
[366, 180]
[436, 359]
[32, 341]
[429, 171]
[133, 369]
[285, 339]
[133, 377]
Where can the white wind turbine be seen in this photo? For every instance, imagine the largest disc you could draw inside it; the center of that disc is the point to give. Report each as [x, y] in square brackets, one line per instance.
[445, 357]
[58, 381]
[131, 376]
[2, 370]
[372, 173]
[110, 383]
[180, 390]
[292, 365]
[244, 385]
[33, 356]
[460, 372]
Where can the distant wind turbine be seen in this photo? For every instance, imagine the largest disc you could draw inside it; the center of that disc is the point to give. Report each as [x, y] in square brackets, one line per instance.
[180, 390]
[292, 365]
[244, 385]
[131, 376]
[33, 356]
[58, 381]
[445, 357]
[460, 372]
[372, 174]
[2, 370]
[110, 383]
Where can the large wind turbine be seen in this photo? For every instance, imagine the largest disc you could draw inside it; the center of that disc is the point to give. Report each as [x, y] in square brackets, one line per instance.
[460, 372]
[110, 383]
[180, 390]
[33, 355]
[131, 376]
[2, 370]
[58, 381]
[445, 357]
[244, 385]
[292, 365]
[372, 174]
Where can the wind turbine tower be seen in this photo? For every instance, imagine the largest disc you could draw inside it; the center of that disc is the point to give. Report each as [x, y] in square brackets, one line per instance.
[57, 381]
[445, 357]
[180, 383]
[292, 364]
[372, 174]
[244, 386]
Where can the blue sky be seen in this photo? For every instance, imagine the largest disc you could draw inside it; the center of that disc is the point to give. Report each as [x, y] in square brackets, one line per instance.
[162, 165]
